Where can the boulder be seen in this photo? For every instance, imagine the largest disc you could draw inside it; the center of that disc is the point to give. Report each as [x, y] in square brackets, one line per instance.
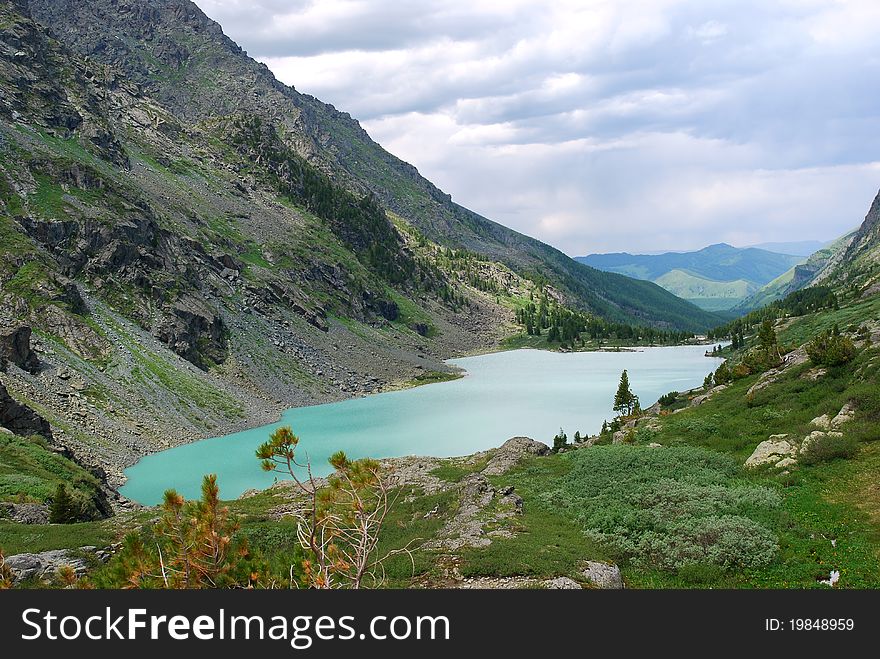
[846, 414]
[44, 564]
[195, 331]
[603, 575]
[815, 438]
[562, 583]
[511, 452]
[20, 419]
[15, 348]
[26, 513]
[772, 451]
[822, 422]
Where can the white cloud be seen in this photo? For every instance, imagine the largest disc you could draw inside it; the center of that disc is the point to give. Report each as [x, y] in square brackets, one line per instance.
[604, 124]
[708, 32]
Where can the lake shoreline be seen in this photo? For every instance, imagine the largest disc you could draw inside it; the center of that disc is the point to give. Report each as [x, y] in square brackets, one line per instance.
[501, 397]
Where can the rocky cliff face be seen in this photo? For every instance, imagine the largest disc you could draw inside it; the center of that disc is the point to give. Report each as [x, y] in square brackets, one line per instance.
[21, 419]
[182, 59]
[867, 238]
[162, 280]
[855, 261]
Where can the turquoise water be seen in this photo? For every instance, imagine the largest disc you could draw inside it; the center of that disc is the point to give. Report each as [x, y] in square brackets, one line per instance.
[521, 392]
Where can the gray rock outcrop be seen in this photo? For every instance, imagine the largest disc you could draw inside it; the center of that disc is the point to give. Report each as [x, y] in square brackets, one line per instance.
[44, 564]
[511, 452]
[603, 575]
[562, 583]
[772, 451]
[25, 513]
[21, 419]
[15, 348]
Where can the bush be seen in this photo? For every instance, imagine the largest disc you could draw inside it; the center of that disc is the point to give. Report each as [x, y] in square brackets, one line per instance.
[828, 447]
[668, 399]
[194, 544]
[669, 508]
[726, 542]
[831, 348]
[722, 374]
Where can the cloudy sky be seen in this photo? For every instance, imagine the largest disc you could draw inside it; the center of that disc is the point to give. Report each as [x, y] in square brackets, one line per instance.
[604, 125]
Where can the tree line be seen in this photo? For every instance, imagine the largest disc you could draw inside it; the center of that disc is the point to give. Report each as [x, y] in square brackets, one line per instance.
[570, 328]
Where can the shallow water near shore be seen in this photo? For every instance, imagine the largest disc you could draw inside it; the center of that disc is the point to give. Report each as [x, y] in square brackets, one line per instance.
[504, 394]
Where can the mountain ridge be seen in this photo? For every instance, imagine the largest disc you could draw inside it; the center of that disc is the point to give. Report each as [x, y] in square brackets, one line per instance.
[179, 57]
[715, 277]
[184, 279]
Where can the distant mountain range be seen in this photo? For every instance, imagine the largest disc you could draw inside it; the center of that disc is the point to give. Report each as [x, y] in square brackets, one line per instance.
[799, 276]
[797, 248]
[716, 278]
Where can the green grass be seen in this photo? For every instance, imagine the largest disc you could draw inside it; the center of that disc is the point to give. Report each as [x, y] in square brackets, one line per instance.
[733, 423]
[29, 282]
[453, 471]
[411, 314]
[433, 377]
[21, 538]
[547, 543]
[407, 526]
[48, 198]
[30, 471]
[51, 200]
[806, 327]
[187, 387]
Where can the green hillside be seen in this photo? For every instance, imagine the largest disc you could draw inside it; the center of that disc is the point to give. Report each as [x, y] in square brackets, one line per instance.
[717, 277]
[196, 73]
[706, 293]
[796, 278]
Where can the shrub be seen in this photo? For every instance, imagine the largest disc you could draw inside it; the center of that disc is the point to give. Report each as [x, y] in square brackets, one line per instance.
[193, 545]
[828, 447]
[726, 542]
[831, 348]
[669, 508]
[722, 374]
[668, 399]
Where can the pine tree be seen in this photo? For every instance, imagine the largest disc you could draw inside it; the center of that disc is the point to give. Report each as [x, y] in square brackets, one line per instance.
[63, 509]
[768, 341]
[625, 401]
[560, 441]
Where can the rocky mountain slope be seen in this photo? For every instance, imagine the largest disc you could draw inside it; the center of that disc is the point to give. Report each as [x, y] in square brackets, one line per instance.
[858, 265]
[716, 277]
[852, 260]
[182, 59]
[798, 277]
[161, 281]
[797, 248]
[191, 246]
